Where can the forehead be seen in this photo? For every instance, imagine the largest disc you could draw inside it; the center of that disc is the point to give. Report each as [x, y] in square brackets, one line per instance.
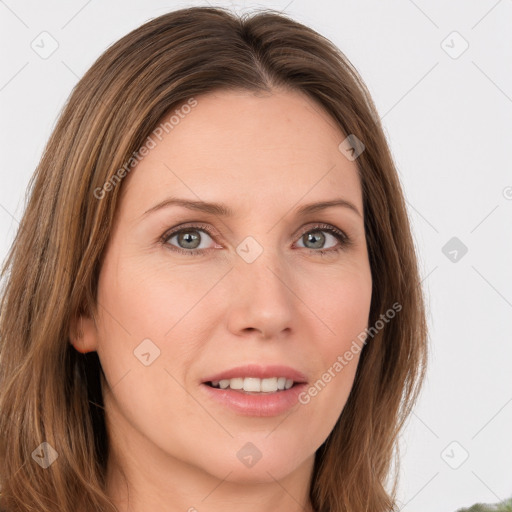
[241, 146]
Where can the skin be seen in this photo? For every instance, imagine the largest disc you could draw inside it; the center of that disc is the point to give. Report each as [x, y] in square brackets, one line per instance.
[263, 155]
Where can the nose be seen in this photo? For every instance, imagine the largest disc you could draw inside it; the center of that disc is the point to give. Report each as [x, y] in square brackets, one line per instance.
[262, 297]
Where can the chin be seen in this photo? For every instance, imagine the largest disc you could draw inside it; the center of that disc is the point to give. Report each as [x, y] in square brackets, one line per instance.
[249, 464]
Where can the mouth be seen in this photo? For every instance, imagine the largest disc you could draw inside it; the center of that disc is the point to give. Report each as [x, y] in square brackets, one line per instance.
[254, 385]
[255, 390]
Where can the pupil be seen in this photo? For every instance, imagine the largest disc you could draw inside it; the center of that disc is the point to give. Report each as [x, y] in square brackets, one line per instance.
[188, 238]
[320, 239]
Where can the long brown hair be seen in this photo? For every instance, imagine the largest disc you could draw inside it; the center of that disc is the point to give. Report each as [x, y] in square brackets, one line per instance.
[51, 393]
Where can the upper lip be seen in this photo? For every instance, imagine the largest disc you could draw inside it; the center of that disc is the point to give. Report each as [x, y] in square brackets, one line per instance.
[259, 371]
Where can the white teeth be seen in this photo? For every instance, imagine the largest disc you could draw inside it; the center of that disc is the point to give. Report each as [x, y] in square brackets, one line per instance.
[254, 384]
[269, 384]
[236, 383]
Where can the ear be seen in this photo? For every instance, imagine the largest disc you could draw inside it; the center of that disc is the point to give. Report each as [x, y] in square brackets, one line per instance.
[83, 333]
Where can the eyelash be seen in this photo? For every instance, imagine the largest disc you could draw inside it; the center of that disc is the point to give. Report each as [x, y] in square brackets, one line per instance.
[344, 240]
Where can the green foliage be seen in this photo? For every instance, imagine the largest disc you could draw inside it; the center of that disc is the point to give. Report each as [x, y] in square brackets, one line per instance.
[504, 506]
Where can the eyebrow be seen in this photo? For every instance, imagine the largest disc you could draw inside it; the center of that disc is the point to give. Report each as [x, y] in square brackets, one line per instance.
[224, 210]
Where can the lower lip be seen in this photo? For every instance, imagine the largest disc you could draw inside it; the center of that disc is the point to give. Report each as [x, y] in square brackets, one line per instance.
[261, 404]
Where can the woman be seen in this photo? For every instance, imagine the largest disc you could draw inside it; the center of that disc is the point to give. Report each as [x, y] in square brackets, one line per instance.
[275, 368]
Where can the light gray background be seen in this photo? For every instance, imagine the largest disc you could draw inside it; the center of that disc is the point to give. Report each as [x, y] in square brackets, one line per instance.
[448, 121]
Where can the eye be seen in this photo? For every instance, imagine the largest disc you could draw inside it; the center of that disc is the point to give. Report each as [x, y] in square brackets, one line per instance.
[317, 239]
[188, 239]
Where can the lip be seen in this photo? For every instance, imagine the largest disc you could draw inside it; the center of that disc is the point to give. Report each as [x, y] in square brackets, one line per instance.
[255, 404]
[261, 372]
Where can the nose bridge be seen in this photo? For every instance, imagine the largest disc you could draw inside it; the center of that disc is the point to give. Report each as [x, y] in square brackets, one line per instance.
[261, 298]
[259, 264]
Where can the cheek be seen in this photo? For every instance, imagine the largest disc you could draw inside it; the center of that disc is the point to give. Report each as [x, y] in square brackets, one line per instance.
[349, 320]
[341, 303]
[143, 367]
[145, 300]
[343, 307]
[149, 331]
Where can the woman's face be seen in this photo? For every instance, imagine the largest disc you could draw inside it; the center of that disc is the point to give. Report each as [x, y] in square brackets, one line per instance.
[251, 288]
